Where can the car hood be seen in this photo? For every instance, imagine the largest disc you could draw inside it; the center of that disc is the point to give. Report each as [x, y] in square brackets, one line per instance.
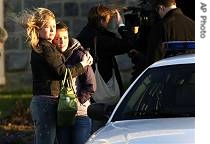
[158, 131]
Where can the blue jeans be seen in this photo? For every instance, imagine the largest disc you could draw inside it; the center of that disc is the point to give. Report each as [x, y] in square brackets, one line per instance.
[75, 134]
[44, 111]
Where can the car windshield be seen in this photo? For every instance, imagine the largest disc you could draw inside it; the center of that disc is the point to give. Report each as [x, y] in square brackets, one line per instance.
[161, 92]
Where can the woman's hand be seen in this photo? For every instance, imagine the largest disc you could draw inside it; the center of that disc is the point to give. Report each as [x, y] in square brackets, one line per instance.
[119, 18]
[87, 59]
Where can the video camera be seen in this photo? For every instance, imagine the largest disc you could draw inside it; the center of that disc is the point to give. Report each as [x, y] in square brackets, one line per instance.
[138, 20]
[139, 16]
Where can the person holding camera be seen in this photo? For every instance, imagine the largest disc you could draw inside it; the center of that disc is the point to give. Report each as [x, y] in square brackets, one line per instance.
[172, 26]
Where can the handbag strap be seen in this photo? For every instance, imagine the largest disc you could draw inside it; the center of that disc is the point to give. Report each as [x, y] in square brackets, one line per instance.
[65, 76]
[68, 81]
[95, 51]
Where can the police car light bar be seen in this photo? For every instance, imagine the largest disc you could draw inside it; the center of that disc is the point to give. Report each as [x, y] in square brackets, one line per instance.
[178, 45]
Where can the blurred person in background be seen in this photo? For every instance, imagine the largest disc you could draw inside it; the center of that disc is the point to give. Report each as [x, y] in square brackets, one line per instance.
[172, 25]
[108, 45]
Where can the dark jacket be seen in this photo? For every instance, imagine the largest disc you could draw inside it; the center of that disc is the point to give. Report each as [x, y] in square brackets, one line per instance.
[108, 46]
[85, 83]
[48, 69]
[174, 26]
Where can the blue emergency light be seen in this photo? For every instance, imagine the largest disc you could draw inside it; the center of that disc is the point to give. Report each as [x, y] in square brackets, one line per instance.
[179, 45]
[173, 48]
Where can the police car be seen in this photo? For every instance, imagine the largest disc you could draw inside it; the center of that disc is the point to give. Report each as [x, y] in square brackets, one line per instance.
[158, 107]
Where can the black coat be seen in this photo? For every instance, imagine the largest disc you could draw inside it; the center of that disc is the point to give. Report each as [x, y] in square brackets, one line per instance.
[108, 46]
[174, 26]
[48, 69]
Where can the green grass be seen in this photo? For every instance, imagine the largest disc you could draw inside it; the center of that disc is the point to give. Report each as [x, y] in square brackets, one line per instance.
[15, 118]
[11, 102]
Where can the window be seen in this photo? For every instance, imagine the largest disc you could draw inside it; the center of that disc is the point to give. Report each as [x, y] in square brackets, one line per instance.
[167, 91]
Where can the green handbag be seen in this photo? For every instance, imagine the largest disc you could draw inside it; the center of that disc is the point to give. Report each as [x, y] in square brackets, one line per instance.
[67, 104]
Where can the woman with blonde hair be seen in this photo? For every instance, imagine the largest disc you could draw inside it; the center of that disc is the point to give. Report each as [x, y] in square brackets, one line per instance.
[48, 69]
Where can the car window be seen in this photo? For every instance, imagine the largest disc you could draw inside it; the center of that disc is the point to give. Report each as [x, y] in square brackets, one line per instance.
[167, 91]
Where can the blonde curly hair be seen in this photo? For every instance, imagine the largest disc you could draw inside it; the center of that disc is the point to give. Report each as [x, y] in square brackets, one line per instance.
[32, 21]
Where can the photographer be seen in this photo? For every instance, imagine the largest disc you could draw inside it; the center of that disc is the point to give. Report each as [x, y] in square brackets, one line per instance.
[159, 21]
[172, 26]
[137, 23]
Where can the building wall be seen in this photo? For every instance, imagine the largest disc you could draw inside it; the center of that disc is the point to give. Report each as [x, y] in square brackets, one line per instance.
[17, 54]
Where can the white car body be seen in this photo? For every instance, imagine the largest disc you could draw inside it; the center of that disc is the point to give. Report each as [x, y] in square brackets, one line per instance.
[158, 131]
[153, 131]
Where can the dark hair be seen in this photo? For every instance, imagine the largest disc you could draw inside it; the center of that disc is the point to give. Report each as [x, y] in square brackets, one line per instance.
[61, 25]
[165, 3]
